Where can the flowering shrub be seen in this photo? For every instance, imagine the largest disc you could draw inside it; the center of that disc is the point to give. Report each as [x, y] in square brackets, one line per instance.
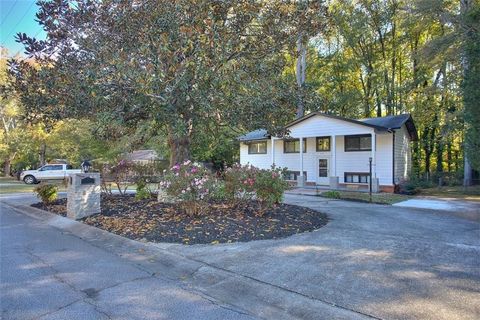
[240, 182]
[269, 186]
[190, 184]
[244, 182]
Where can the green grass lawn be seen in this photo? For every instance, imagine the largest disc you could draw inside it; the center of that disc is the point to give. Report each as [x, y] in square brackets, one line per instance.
[458, 192]
[382, 198]
[11, 185]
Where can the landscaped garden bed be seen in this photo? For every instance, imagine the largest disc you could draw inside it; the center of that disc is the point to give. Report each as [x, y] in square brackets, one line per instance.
[221, 222]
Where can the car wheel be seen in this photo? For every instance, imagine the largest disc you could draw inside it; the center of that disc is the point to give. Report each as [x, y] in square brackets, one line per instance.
[29, 180]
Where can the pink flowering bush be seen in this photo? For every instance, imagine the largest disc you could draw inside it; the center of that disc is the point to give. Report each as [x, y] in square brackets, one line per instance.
[190, 184]
[240, 182]
[269, 187]
[243, 183]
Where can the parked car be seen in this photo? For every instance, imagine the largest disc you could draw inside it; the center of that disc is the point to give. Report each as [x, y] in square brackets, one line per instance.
[48, 172]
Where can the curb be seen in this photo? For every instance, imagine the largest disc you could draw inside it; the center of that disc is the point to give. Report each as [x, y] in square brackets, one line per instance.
[224, 287]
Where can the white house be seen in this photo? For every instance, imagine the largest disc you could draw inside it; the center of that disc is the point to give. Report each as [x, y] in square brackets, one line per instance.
[337, 151]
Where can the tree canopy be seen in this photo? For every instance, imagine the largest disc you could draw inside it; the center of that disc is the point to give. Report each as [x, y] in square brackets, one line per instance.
[193, 74]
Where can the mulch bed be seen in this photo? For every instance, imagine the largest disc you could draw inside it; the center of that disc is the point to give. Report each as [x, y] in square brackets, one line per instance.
[149, 220]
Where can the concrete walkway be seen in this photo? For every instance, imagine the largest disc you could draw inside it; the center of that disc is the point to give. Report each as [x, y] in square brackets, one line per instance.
[466, 208]
[369, 261]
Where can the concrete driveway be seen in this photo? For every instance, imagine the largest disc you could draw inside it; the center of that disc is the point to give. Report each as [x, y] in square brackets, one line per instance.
[370, 261]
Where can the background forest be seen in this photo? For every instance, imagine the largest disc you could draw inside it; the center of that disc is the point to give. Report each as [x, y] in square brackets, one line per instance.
[187, 78]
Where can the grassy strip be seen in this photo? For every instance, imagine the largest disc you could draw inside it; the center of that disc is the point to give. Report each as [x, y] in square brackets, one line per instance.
[458, 192]
[10, 185]
[379, 198]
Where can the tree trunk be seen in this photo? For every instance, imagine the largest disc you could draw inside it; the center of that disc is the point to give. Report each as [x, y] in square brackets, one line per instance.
[428, 140]
[179, 149]
[416, 159]
[379, 104]
[470, 94]
[467, 173]
[300, 73]
[427, 164]
[43, 154]
[449, 156]
[439, 156]
[7, 167]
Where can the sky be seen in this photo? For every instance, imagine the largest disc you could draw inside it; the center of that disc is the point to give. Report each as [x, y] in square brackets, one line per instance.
[18, 16]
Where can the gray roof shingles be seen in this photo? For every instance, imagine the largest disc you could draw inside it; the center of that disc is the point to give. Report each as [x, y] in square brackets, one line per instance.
[259, 134]
[387, 123]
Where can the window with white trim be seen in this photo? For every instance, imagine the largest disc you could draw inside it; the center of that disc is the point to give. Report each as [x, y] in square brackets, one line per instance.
[293, 146]
[258, 147]
[323, 143]
[361, 142]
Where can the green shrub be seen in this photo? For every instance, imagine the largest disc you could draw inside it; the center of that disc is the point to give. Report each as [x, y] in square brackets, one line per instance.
[410, 187]
[142, 190]
[332, 194]
[47, 193]
[269, 187]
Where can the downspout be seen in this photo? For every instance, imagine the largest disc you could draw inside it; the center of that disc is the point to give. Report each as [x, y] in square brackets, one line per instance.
[393, 158]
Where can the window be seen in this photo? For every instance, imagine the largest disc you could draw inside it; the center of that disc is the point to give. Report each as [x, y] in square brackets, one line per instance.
[358, 143]
[293, 146]
[357, 177]
[293, 175]
[52, 167]
[323, 143]
[257, 147]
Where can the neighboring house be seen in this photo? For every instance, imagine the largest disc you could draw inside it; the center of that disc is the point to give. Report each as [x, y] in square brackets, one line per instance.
[336, 151]
[142, 156]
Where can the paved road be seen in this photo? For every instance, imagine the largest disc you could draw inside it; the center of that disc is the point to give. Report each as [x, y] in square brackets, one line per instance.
[50, 274]
[370, 261]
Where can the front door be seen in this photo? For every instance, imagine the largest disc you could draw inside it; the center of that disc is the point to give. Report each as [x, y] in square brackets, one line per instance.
[323, 166]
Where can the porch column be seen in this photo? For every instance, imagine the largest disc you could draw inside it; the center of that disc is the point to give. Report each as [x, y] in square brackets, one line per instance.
[374, 152]
[334, 156]
[301, 181]
[375, 181]
[273, 150]
[333, 179]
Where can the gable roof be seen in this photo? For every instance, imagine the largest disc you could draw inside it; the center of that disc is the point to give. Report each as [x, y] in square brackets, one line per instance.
[260, 134]
[383, 124]
[142, 155]
[380, 128]
[395, 122]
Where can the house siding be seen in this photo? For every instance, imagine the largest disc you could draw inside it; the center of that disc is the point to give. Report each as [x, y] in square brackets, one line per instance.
[325, 126]
[317, 126]
[262, 161]
[403, 155]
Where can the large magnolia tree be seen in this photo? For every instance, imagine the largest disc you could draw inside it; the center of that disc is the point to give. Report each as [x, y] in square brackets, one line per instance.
[181, 66]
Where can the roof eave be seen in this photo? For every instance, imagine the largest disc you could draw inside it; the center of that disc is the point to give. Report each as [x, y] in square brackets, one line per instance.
[380, 128]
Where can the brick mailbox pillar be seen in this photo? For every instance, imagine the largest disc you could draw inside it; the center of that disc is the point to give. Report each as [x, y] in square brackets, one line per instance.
[83, 195]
